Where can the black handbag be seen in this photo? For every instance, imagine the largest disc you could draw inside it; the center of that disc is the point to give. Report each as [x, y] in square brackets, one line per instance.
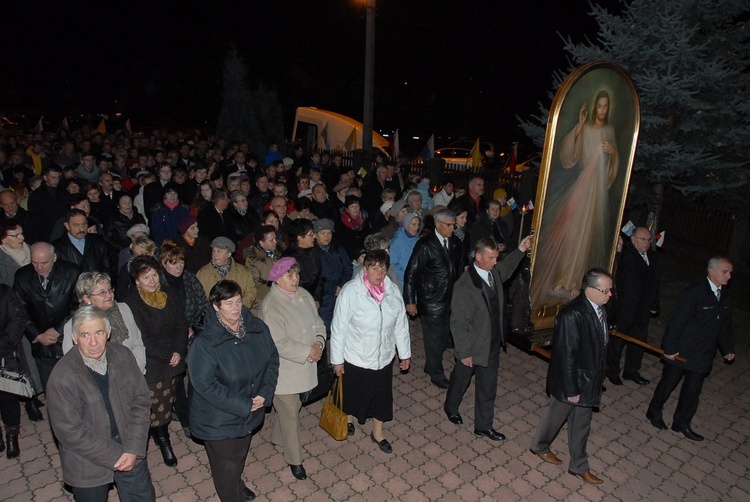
[13, 380]
[326, 376]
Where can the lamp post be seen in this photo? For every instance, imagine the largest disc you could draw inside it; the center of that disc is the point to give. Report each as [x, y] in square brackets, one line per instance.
[369, 78]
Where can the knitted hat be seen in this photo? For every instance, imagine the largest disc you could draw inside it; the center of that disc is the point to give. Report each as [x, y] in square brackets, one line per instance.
[280, 268]
[138, 227]
[322, 224]
[223, 243]
[386, 206]
[186, 223]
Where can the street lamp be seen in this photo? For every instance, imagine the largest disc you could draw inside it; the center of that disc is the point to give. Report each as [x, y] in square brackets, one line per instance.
[369, 78]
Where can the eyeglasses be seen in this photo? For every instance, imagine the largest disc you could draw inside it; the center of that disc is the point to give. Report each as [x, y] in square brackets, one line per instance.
[106, 292]
[19, 234]
[643, 239]
[603, 291]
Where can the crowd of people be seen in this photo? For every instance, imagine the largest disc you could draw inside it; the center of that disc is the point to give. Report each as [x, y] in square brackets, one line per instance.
[181, 276]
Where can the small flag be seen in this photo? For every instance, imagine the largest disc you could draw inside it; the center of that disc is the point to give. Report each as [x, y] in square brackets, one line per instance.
[660, 238]
[362, 172]
[351, 142]
[512, 204]
[628, 228]
[476, 154]
[428, 152]
[530, 205]
[102, 128]
[393, 148]
[127, 127]
[323, 142]
[39, 127]
[513, 160]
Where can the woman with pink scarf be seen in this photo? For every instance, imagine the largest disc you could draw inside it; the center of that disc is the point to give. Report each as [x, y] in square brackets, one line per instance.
[369, 326]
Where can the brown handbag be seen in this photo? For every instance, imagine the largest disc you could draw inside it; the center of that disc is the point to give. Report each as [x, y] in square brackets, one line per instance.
[332, 418]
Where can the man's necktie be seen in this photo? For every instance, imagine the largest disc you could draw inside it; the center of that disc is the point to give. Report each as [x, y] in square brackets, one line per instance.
[718, 294]
[445, 246]
[645, 258]
[602, 322]
[490, 281]
[44, 281]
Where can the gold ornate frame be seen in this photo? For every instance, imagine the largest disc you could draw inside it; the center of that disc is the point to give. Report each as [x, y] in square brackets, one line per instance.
[562, 194]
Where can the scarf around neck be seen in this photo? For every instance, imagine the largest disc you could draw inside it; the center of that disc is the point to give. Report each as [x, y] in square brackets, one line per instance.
[119, 330]
[157, 299]
[21, 256]
[352, 223]
[223, 270]
[377, 292]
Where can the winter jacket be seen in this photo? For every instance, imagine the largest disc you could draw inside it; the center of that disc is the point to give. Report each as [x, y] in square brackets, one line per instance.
[226, 373]
[209, 276]
[402, 246]
[295, 326]
[366, 334]
[80, 420]
[579, 351]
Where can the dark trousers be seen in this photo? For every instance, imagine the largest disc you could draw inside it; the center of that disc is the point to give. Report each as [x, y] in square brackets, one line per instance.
[485, 390]
[132, 486]
[633, 352]
[436, 331]
[10, 410]
[687, 404]
[553, 418]
[227, 460]
[181, 401]
[45, 365]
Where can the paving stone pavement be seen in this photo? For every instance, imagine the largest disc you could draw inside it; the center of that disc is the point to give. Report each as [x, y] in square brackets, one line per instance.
[436, 460]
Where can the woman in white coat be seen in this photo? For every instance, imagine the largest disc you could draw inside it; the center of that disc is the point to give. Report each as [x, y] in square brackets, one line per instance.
[369, 325]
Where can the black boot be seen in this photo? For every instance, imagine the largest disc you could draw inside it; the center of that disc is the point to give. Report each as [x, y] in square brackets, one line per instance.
[161, 438]
[2, 443]
[11, 438]
[33, 411]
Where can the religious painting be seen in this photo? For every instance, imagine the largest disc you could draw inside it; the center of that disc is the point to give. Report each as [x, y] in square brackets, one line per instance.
[588, 155]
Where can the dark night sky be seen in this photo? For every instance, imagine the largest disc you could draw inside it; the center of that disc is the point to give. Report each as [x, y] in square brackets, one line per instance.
[446, 67]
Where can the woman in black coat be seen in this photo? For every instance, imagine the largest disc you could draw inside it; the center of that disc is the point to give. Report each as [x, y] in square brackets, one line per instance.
[164, 330]
[125, 217]
[234, 367]
[12, 324]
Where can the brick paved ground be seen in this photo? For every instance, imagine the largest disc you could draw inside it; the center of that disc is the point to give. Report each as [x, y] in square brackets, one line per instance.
[436, 460]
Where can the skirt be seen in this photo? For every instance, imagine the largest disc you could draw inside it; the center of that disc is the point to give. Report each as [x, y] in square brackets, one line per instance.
[368, 393]
[162, 400]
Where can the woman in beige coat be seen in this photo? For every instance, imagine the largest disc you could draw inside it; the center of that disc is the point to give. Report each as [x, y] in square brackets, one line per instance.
[299, 334]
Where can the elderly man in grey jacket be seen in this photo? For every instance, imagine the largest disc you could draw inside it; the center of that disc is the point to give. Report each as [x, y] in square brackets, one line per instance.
[477, 327]
[100, 411]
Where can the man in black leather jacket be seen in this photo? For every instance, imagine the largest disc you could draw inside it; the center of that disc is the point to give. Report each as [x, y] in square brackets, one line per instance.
[435, 265]
[95, 255]
[49, 306]
[575, 374]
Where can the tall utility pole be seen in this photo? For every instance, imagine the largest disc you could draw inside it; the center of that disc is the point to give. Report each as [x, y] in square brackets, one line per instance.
[369, 78]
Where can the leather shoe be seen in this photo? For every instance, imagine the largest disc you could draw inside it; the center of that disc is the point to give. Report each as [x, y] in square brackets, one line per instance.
[384, 445]
[637, 379]
[549, 457]
[689, 433]
[657, 422]
[298, 471]
[615, 380]
[350, 429]
[248, 493]
[443, 384]
[587, 477]
[454, 418]
[33, 411]
[490, 434]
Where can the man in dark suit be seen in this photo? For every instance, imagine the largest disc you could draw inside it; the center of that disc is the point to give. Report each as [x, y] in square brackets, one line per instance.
[477, 326]
[637, 283]
[702, 320]
[214, 220]
[575, 374]
[47, 204]
[435, 264]
[9, 208]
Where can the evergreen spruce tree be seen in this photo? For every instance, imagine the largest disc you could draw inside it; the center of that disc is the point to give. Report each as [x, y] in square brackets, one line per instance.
[689, 61]
[252, 115]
